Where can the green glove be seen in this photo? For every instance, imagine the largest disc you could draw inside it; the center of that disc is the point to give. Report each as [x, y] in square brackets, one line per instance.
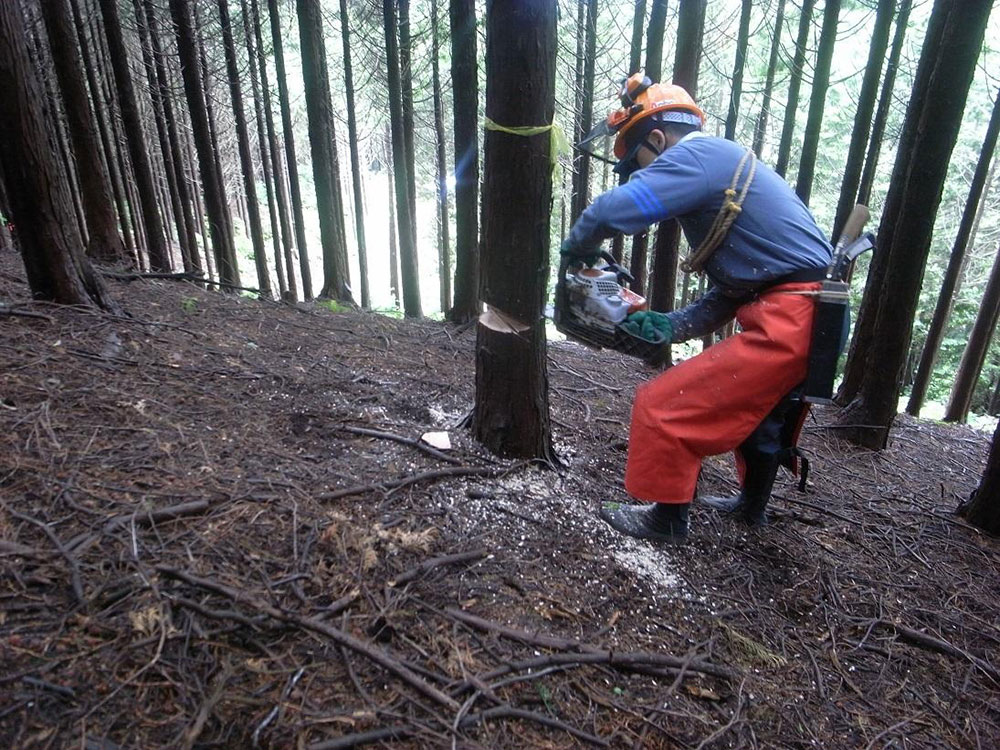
[574, 252]
[654, 327]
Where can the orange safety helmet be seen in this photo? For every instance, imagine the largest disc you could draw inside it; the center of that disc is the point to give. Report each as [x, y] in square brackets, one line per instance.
[641, 98]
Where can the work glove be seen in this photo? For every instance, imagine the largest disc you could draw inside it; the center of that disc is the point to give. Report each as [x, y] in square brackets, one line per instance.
[653, 327]
[574, 252]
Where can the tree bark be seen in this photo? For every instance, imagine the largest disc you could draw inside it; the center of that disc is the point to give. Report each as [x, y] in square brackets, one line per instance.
[404, 222]
[104, 241]
[884, 103]
[352, 138]
[290, 159]
[792, 104]
[159, 259]
[817, 101]
[654, 39]
[983, 510]
[216, 205]
[760, 129]
[465, 93]
[512, 412]
[687, 58]
[406, 94]
[862, 338]
[953, 60]
[581, 178]
[246, 158]
[956, 262]
[741, 55]
[444, 251]
[393, 242]
[635, 49]
[40, 203]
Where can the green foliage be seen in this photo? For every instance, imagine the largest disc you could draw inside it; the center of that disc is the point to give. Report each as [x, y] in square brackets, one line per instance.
[331, 304]
[189, 304]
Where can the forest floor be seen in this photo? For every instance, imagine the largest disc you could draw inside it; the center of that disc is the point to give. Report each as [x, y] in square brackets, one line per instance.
[219, 529]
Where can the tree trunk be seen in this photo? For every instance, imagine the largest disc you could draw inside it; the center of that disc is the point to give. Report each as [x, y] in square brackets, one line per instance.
[817, 101]
[404, 223]
[863, 116]
[687, 58]
[792, 104]
[465, 92]
[406, 99]
[953, 60]
[393, 242]
[265, 157]
[983, 510]
[40, 203]
[352, 139]
[581, 181]
[635, 50]
[861, 340]
[884, 103]
[271, 149]
[246, 158]
[444, 251]
[654, 39]
[949, 286]
[159, 260]
[104, 241]
[512, 411]
[170, 141]
[290, 159]
[738, 66]
[760, 129]
[216, 205]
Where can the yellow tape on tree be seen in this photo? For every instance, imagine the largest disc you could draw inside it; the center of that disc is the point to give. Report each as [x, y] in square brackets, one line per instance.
[558, 144]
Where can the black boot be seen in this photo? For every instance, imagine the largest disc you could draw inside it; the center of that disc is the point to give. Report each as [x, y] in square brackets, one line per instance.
[659, 522]
[750, 505]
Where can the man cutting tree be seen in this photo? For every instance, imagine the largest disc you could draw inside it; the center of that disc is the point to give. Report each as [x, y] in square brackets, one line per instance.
[764, 256]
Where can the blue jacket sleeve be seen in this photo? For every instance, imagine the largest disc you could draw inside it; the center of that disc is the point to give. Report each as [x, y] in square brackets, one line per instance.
[706, 314]
[672, 185]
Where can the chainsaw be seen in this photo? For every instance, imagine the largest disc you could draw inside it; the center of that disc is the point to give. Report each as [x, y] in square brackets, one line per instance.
[592, 303]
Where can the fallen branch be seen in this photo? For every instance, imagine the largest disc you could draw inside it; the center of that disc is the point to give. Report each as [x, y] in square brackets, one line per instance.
[592, 654]
[311, 623]
[931, 643]
[427, 476]
[181, 276]
[74, 566]
[509, 712]
[364, 738]
[435, 562]
[15, 312]
[418, 444]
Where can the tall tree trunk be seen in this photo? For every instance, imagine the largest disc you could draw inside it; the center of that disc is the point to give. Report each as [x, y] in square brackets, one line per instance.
[635, 49]
[654, 39]
[216, 205]
[953, 61]
[404, 223]
[741, 56]
[983, 510]
[465, 108]
[792, 104]
[512, 409]
[581, 181]
[159, 260]
[159, 87]
[393, 243]
[104, 241]
[863, 116]
[884, 103]
[760, 129]
[949, 285]
[406, 94]
[352, 139]
[40, 203]
[270, 149]
[975, 350]
[864, 327]
[290, 159]
[444, 251]
[265, 157]
[817, 101]
[246, 158]
[687, 58]
[103, 131]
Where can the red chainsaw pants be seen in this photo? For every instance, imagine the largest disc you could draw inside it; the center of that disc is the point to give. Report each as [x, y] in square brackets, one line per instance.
[710, 403]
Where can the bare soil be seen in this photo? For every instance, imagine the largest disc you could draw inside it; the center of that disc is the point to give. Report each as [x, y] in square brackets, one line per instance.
[218, 529]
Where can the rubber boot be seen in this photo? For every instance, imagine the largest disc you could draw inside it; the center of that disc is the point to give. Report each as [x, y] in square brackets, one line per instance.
[658, 522]
[750, 506]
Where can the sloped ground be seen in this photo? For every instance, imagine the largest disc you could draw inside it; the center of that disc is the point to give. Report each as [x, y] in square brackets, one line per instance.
[204, 542]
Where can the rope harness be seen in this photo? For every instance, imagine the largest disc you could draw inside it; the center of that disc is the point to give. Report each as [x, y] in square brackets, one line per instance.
[732, 205]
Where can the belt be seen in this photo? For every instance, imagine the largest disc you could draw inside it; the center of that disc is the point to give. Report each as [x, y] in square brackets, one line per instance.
[804, 276]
